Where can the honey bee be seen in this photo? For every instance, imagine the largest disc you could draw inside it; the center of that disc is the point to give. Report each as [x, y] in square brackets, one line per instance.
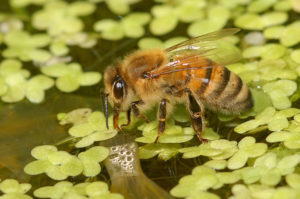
[192, 72]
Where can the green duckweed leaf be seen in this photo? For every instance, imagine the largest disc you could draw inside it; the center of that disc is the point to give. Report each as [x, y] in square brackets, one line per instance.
[34, 93]
[163, 25]
[94, 137]
[55, 173]
[58, 157]
[90, 168]
[283, 6]
[43, 81]
[9, 186]
[203, 26]
[274, 18]
[296, 56]
[14, 93]
[61, 69]
[271, 177]
[89, 78]
[246, 126]
[293, 180]
[59, 48]
[251, 174]
[216, 164]
[37, 167]
[96, 153]
[150, 42]
[42, 152]
[118, 7]
[203, 195]
[72, 167]
[287, 164]
[284, 192]
[68, 83]
[293, 141]
[278, 136]
[249, 21]
[188, 12]
[164, 151]
[258, 6]
[253, 51]
[97, 189]
[273, 32]
[273, 51]
[290, 35]
[161, 10]
[81, 8]
[228, 177]
[238, 160]
[10, 66]
[111, 30]
[278, 124]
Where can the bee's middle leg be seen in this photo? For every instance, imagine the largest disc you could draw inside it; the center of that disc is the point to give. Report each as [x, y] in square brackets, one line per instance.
[128, 118]
[162, 115]
[136, 110]
[197, 116]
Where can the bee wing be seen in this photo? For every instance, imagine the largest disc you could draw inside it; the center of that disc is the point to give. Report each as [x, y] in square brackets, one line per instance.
[209, 45]
[205, 41]
[191, 62]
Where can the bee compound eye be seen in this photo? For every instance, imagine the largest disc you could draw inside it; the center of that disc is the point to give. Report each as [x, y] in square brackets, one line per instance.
[118, 89]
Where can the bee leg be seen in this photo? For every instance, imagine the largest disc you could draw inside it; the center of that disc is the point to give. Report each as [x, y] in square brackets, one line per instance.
[116, 118]
[137, 112]
[197, 117]
[128, 118]
[162, 114]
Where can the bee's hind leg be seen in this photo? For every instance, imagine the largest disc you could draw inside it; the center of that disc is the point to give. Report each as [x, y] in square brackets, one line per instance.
[162, 114]
[196, 111]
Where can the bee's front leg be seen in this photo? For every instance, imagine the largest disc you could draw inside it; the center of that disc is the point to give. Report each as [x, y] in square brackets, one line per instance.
[116, 118]
[162, 115]
[197, 117]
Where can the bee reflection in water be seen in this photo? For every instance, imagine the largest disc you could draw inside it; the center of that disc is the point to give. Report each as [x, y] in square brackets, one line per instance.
[192, 72]
[127, 177]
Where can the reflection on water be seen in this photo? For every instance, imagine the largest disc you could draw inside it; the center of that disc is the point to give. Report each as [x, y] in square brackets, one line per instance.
[125, 171]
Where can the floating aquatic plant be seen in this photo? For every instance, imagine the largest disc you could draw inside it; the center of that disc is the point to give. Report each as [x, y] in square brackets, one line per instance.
[261, 151]
[70, 76]
[26, 47]
[65, 189]
[130, 26]
[172, 134]
[15, 84]
[12, 189]
[268, 169]
[58, 165]
[202, 179]
[91, 130]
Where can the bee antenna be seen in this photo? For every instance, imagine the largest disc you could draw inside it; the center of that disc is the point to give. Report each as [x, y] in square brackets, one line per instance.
[104, 99]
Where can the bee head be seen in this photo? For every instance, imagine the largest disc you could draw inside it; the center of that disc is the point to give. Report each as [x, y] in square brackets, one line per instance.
[115, 86]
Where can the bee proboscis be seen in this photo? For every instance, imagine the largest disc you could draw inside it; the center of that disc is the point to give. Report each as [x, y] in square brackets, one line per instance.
[192, 72]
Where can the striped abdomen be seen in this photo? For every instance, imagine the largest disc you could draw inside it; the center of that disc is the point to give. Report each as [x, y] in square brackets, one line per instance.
[220, 89]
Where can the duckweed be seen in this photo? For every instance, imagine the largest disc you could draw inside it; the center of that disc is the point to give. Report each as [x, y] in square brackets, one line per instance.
[11, 188]
[255, 153]
[65, 189]
[70, 76]
[58, 165]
